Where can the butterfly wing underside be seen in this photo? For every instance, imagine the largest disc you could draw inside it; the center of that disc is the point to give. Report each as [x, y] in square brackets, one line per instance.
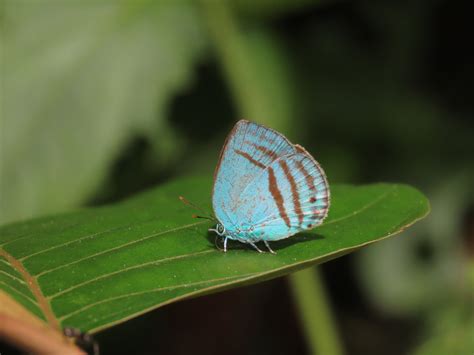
[266, 187]
[292, 195]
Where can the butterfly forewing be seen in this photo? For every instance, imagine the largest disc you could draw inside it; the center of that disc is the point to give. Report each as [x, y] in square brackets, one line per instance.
[248, 150]
[266, 187]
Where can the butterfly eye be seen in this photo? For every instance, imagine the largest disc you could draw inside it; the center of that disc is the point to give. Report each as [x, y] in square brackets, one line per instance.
[220, 229]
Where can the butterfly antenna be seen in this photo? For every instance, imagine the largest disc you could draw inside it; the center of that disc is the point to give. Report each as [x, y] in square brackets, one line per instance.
[192, 205]
[203, 217]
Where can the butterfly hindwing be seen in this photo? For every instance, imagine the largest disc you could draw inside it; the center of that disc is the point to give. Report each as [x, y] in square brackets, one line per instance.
[291, 196]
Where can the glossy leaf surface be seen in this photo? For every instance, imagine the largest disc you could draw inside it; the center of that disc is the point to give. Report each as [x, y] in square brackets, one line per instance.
[97, 267]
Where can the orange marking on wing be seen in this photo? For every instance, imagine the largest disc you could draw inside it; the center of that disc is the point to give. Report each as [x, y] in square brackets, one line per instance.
[317, 213]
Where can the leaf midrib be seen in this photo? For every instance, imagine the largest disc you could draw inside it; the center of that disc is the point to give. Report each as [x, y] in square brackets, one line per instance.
[41, 300]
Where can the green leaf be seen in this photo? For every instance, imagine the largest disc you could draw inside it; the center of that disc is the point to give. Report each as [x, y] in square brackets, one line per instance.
[81, 80]
[97, 267]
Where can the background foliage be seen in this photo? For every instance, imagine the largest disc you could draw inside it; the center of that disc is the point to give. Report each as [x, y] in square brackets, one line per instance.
[102, 99]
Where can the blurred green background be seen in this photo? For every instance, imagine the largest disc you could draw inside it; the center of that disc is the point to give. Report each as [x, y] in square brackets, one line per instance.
[102, 99]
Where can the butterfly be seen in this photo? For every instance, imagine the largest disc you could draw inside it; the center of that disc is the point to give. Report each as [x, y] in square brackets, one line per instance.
[266, 188]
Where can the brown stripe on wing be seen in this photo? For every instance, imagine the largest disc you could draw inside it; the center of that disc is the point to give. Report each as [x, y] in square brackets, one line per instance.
[321, 173]
[249, 158]
[309, 179]
[320, 213]
[276, 194]
[261, 134]
[268, 152]
[294, 190]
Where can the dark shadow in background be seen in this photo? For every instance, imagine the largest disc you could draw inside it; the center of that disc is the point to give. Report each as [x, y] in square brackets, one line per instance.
[261, 319]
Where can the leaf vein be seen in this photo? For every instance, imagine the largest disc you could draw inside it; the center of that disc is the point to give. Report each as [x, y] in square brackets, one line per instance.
[32, 282]
[42, 273]
[19, 292]
[363, 208]
[89, 236]
[159, 289]
[13, 277]
[139, 266]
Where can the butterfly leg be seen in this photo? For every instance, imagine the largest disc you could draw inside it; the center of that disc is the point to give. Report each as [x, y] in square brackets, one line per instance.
[225, 245]
[256, 248]
[268, 247]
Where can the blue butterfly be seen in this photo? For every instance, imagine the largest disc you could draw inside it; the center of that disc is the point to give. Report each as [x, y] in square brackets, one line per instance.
[266, 188]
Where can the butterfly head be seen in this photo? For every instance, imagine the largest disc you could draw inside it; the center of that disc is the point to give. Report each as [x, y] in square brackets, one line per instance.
[220, 230]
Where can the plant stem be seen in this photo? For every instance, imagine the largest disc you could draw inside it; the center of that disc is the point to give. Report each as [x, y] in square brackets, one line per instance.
[315, 312]
[233, 54]
[254, 65]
